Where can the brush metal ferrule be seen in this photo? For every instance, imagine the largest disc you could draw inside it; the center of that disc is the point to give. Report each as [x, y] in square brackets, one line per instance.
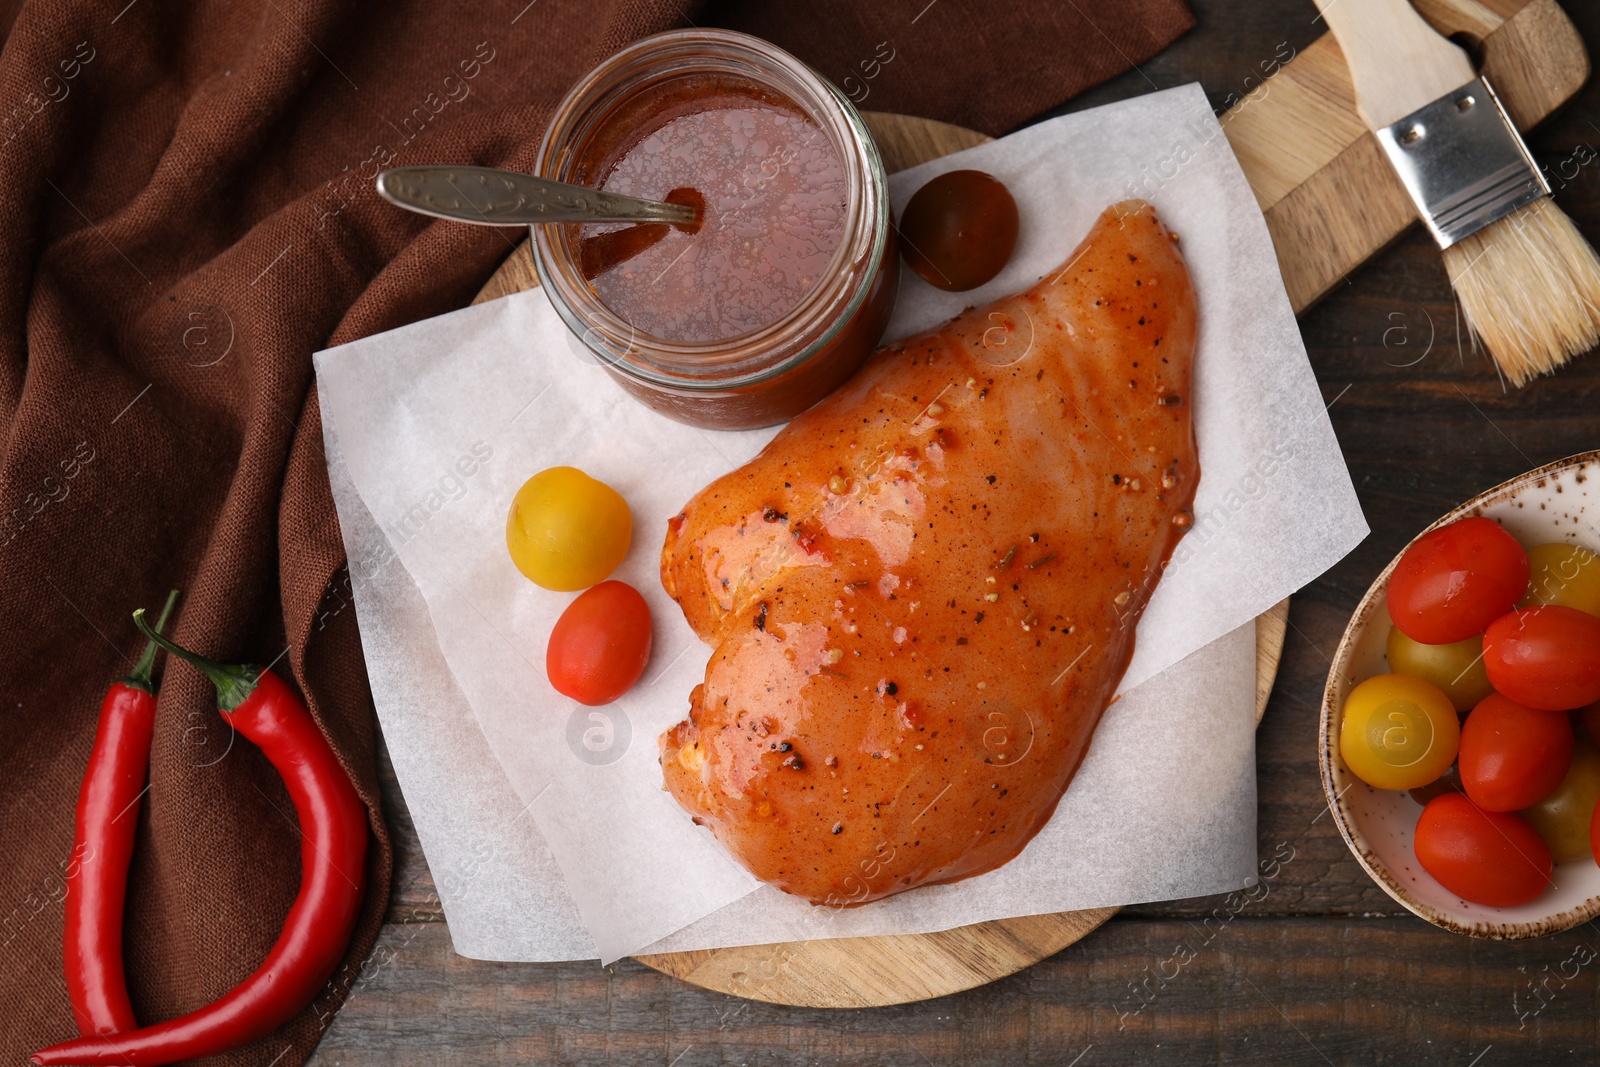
[1463, 162]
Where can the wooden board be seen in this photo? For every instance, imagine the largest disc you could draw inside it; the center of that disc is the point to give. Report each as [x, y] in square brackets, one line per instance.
[1330, 199]
[874, 971]
[1330, 203]
[866, 972]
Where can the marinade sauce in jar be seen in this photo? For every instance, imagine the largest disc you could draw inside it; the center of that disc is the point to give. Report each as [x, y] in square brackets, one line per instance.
[784, 284]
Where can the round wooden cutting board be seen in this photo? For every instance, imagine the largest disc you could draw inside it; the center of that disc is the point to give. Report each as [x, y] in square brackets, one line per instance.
[861, 972]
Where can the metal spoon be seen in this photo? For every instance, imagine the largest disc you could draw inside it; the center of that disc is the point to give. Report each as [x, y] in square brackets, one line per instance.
[488, 196]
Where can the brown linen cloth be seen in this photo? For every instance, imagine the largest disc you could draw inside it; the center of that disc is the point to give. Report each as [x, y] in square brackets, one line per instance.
[186, 213]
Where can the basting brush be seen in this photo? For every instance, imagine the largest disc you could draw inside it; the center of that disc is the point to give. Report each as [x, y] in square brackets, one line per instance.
[1527, 281]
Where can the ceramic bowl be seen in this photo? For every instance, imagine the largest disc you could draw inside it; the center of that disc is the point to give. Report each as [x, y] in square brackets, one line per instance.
[1557, 502]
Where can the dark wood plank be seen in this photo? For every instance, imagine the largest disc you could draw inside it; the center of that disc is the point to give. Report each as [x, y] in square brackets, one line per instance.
[1233, 42]
[1324, 962]
[412, 895]
[1240, 989]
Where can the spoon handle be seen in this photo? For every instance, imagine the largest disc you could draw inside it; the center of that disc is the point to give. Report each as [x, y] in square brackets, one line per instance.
[491, 197]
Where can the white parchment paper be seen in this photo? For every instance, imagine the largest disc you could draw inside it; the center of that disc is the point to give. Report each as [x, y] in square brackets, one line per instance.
[437, 425]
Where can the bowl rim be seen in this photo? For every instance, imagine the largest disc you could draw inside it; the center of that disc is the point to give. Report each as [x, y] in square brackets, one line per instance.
[1360, 619]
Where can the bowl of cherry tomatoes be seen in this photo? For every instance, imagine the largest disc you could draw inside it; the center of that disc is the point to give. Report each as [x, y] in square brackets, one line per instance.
[1460, 735]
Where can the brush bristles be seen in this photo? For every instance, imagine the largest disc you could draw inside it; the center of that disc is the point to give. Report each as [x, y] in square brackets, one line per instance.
[1529, 285]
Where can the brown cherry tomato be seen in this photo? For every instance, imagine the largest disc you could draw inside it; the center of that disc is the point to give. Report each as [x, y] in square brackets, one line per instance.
[1488, 857]
[1448, 782]
[1512, 756]
[958, 231]
[1563, 818]
[1591, 721]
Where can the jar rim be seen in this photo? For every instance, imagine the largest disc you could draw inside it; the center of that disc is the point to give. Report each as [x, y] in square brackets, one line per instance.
[774, 349]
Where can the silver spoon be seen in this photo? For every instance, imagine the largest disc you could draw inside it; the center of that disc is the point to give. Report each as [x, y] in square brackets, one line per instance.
[488, 196]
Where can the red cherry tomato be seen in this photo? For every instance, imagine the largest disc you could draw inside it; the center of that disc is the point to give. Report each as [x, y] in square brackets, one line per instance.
[600, 645]
[1512, 756]
[1546, 657]
[1488, 857]
[1594, 832]
[1454, 581]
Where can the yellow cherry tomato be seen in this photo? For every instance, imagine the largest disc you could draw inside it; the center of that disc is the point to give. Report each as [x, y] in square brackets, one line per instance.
[1564, 574]
[567, 531]
[1456, 669]
[1398, 732]
[1562, 818]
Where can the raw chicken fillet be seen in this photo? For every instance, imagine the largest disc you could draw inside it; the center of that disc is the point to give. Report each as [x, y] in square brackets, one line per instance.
[922, 594]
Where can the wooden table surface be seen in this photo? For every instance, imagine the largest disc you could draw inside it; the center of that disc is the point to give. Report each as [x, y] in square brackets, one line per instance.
[1322, 966]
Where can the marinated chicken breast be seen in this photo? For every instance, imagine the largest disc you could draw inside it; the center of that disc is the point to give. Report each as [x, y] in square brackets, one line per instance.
[922, 594]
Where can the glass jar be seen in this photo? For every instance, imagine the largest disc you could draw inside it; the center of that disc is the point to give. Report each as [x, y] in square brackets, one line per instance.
[817, 332]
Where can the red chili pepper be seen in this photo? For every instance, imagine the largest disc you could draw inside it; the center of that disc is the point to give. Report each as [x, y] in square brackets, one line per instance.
[108, 815]
[333, 851]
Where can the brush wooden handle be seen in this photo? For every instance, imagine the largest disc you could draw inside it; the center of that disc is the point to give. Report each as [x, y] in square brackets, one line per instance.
[1397, 62]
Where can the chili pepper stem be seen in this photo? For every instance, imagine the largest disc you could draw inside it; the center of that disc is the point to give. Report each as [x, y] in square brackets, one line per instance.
[234, 681]
[143, 674]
